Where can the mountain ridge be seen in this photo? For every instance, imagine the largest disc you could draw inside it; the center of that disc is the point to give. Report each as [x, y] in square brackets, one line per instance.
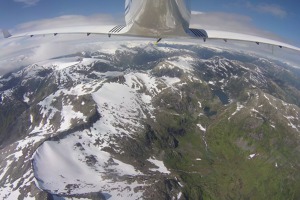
[158, 122]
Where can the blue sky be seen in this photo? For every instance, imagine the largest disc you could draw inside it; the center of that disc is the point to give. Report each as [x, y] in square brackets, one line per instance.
[280, 17]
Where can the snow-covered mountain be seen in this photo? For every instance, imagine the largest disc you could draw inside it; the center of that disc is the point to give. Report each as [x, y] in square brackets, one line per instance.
[150, 122]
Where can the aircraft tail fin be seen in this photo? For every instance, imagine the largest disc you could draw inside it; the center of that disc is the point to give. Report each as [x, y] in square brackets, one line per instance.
[6, 34]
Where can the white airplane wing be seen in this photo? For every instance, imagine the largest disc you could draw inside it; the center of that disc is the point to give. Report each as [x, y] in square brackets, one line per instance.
[226, 36]
[88, 30]
[123, 30]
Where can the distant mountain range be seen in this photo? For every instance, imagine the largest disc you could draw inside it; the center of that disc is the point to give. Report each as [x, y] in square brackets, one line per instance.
[151, 122]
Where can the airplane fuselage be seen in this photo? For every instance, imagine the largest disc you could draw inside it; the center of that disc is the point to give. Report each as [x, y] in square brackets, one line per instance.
[158, 18]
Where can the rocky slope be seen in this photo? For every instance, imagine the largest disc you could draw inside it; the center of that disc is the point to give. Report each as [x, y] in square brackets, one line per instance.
[151, 122]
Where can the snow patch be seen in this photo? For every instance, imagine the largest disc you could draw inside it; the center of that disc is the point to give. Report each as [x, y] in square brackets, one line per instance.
[238, 108]
[146, 98]
[179, 195]
[212, 82]
[201, 127]
[62, 65]
[252, 156]
[273, 126]
[68, 114]
[200, 105]
[161, 166]
[25, 98]
[184, 63]
[254, 110]
[170, 81]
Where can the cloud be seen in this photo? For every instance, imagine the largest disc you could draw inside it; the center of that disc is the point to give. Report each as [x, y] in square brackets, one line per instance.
[194, 12]
[271, 9]
[1, 33]
[229, 22]
[68, 21]
[25, 51]
[28, 2]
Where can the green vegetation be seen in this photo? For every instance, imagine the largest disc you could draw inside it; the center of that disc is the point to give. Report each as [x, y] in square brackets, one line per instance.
[224, 169]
